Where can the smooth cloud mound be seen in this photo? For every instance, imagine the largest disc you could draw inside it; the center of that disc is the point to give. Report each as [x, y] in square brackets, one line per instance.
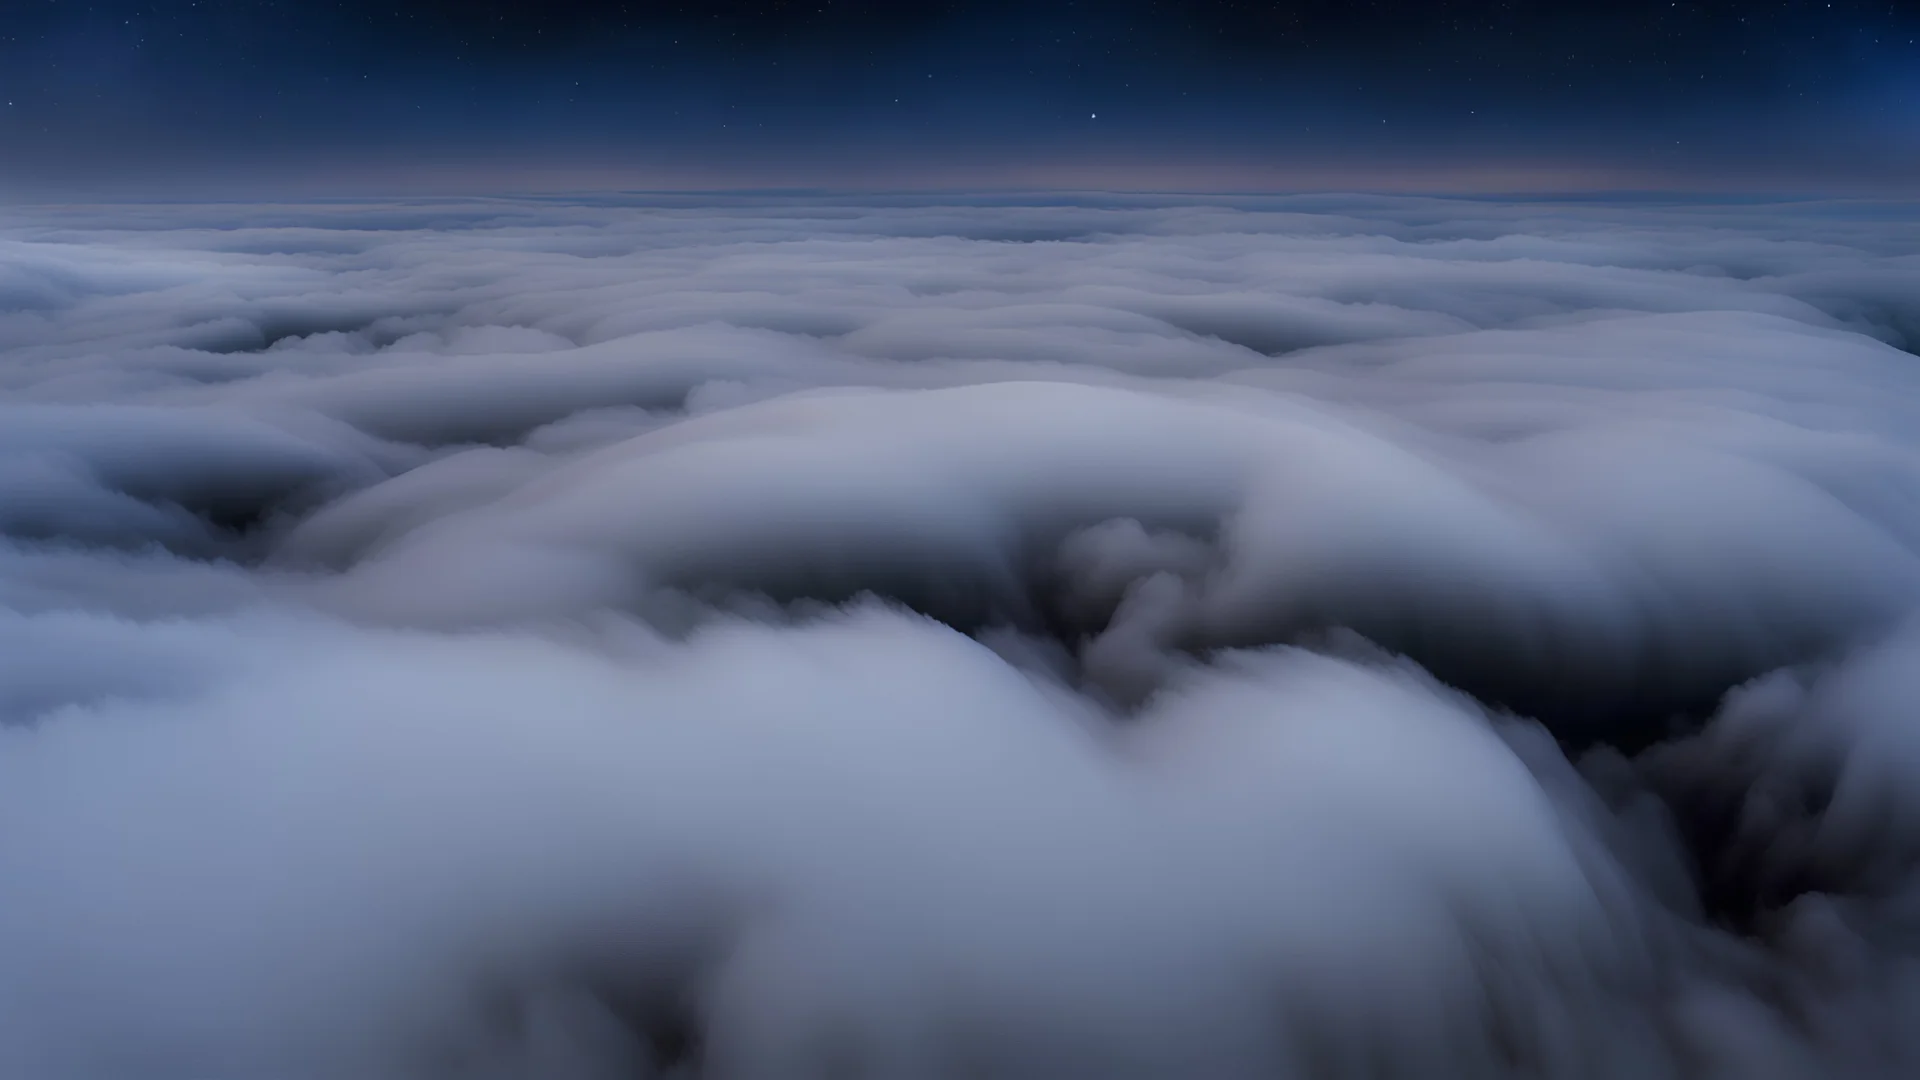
[1301, 637]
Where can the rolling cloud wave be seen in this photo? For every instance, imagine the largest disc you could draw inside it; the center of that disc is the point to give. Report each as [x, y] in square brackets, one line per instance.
[1299, 637]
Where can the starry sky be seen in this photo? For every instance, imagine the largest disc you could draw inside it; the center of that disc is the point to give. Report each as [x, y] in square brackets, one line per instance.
[1222, 94]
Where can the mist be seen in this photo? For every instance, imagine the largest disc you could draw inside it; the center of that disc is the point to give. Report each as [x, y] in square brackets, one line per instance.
[1143, 637]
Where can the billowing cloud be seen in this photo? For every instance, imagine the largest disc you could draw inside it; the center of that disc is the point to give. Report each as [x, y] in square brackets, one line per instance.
[1298, 637]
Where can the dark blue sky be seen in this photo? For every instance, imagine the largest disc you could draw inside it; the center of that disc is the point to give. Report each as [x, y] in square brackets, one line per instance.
[1793, 94]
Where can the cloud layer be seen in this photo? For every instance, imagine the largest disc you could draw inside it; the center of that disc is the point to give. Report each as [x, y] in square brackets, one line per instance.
[1300, 637]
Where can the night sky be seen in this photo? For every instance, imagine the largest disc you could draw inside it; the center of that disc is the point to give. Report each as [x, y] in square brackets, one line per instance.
[860, 93]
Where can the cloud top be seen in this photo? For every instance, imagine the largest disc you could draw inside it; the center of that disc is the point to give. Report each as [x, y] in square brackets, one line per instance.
[1312, 637]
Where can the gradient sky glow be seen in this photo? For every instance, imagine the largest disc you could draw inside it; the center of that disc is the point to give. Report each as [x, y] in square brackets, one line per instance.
[1795, 95]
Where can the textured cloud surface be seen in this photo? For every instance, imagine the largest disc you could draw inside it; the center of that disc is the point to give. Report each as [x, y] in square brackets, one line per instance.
[1301, 637]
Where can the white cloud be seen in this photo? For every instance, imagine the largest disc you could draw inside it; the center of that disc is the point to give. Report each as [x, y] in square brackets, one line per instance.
[435, 639]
